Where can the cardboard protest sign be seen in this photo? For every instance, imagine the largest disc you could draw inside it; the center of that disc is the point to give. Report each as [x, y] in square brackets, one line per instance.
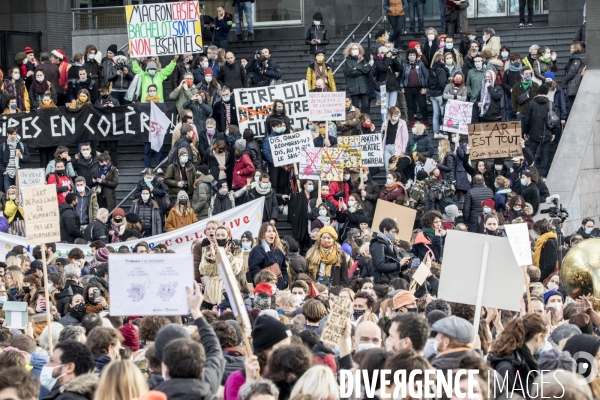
[310, 163]
[327, 106]
[495, 140]
[372, 150]
[42, 220]
[142, 284]
[404, 217]
[459, 280]
[341, 310]
[27, 177]
[352, 150]
[332, 164]
[236, 300]
[286, 149]
[163, 29]
[254, 105]
[518, 237]
[457, 116]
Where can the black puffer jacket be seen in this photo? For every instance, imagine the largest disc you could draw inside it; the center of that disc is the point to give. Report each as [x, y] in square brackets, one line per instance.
[535, 120]
[385, 71]
[233, 75]
[422, 142]
[317, 32]
[472, 208]
[438, 79]
[448, 167]
[386, 264]
[573, 76]
[88, 168]
[494, 111]
[69, 224]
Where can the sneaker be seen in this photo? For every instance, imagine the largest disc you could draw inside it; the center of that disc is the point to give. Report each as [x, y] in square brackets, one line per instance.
[159, 171]
[285, 210]
[521, 25]
[529, 25]
[240, 37]
[439, 136]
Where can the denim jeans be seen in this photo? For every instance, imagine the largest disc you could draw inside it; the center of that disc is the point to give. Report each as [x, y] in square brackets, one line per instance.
[148, 155]
[438, 112]
[442, 15]
[418, 4]
[397, 24]
[245, 8]
[8, 182]
[388, 151]
[392, 97]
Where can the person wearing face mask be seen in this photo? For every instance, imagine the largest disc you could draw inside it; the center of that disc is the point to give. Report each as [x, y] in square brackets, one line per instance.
[317, 36]
[430, 46]
[467, 38]
[264, 70]
[490, 225]
[93, 68]
[298, 213]
[181, 214]
[387, 70]
[87, 202]
[353, 115]
[70, 223]
[263, 188]
[491, 41]
[515, 212]
[225, 199]
[38, 88]
[184, 91]
[419, 141]
[415, 86]
[395, 143]
[278, 113]
[180, 174]
[63, 183]
[277, 127]
[546, 62]
[490, 101]
[15, 86]
[62, 154]
[319, 69]
[450, 49]
[84, 82]
[587, 229]
[545, 251]
[575, 68]
[438, 80]
[151, 76]
[351, 214]
[474, 81]
[357, 71]
[225, 112]
[456, 88]
[386, 263]
[202, 192]
[201, 109]
[556, 94]
[210, 86]
[517, 349]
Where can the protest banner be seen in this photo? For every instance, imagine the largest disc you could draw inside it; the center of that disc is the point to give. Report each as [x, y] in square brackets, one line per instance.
[247, 217]
[234, 295]
[340, 312]
[142, 284]
[42, 220]
[27, 177]
[404, 217]
[310, 163]
[48, 127]
[159, 126]
[164, 29]
[457, 117]
[372, 150]
[352, 150]
[254, 105]
[332, 164]
[495, 140]
[518, 237]
[287, 149]
[327, 106]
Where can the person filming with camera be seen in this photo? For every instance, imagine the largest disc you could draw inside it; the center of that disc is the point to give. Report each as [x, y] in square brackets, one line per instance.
[264, 70]
[387, 71]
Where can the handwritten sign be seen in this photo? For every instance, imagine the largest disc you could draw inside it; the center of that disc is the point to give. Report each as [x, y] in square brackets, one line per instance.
[327, 106]
[518, 237]
[142, 284]
[164, 28]
[372, 150]
[286, 149]
[236, 300]
[254, 105]
[457, 116]
[42, 220]
[27, 177]
[352, 150]
[310, 163]
[341, 310]
[332, 164]
[495, 140]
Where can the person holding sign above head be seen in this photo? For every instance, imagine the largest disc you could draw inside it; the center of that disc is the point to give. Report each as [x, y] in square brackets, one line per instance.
[63, 183]
[14, 152]
[323, 140]
[319, 69]
[181, 214]
[153, 77]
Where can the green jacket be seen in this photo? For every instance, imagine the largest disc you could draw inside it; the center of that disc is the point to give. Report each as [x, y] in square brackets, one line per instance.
[517, 91]
[148, 80]
[181, 96]
[473, 83]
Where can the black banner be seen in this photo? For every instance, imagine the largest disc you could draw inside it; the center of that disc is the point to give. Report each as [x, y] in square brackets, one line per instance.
[64, 127]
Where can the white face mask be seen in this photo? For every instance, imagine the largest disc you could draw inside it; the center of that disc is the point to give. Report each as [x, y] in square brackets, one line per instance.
[12, 197]
[351, 204]
[366, 346]
[558, 306]
[208, 79]
[86, 154]
[40, 79]
[81, 189]
[46, 378]
[430, 37]
[355, 52]
[16, 77]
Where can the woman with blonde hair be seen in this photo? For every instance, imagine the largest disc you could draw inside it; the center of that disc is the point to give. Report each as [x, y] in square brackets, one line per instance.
[213, 291]
[268, 254]
[14, 213]
[324, 259]
[182, 214]
[318, 382]
[83, 98]
[14, 282]
[446, 160]
[121, 380]
[502, 187]
[347, 293]
[356, 72]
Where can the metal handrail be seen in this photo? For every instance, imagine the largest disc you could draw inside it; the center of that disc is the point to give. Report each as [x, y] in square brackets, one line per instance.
[352, 33]
[361, 40]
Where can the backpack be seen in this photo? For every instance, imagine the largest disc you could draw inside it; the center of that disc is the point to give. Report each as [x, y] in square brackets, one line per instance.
[552, 120]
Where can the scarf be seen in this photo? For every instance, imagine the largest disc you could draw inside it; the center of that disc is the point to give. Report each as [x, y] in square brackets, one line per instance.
[10, 89]
[221, 204]
[317, 255]
[40, 87]
[93, 308]
[526, 84]
[393, 186]
[486, 99]
[102, 170]
[515, 68]
[430, 233]
[12, 163]
[539, 244]
[261, 191]
[325, 220]
[153, 99]
[321, 70]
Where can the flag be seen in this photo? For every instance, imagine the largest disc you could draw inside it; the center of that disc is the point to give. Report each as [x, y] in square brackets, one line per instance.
[159, 125]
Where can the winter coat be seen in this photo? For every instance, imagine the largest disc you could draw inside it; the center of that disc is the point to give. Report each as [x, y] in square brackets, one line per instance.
[63, 184]
[87, 168]
[158, 79]
[62, 299]
[492, 44]
[96, 230]
[51, 167]
[179, 72]
[242, 170]
[119, 82]
[494, 111]
[535, 120]
[338, 274]
[266, 147]
[87, 205]
[429, 51]
[149, 215]
[284, 118]
[507, 367]
[175, 174]
[438, 79]
[560, 102]
[202, 196]
[357, 76]
[531, 195]
[573, 76]
[352, 120]
[385, 71]
[219, 114]
[473, 83]
[595, 233]
[181, 95]
[472, 206]
[453, 92]
[271, 209]
[82, 387]
[157, 192]
[385, 261]
[109, 187]
[259, 259]
[176, 221]
[510, 79]
[372, 191]
[233, 76]
[255, 154]
[35, 99]
[350, 219]
[447, 167]
[297, 264]
[185, 389]
[201, 112]
[6, 155]
[424, 245]
[317, 32]
[400, 130]
[449, 359]
[263, 72]
[420, 144]
[204, 146]
[69, 224]
[540, 68]
[222, 27]
[213, 165]
[311, 77]
[458, 58]
[421, 71]
[89, 84]
[518, 91]
[228, 201]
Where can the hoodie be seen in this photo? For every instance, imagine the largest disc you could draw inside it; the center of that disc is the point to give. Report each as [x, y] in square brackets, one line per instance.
[424, 244]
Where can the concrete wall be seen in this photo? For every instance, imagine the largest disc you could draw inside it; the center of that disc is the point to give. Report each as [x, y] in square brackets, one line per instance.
[574, 173]
[566, 12]
[101, 38]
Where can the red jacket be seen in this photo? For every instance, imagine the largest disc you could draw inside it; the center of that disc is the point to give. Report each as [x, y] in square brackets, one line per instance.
[335, 187]
[242, 170]
[63, 186]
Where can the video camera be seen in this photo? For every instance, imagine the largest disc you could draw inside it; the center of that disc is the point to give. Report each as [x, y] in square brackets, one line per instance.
[557, 211]
[260, 55]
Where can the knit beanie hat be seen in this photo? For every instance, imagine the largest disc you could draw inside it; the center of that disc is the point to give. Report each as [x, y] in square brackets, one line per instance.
[267, 332]
[181, 194]
[451, 211]
[488, 202]
[208, 71]
[262, 301]
[151, 65]
[422, 175]
[119, 212]
[102, 254]
[20, 57]
[112, 48]
[240, 144]
[182, 151]
[414, 44]
[330, 230]
[166, 335]
[130, 335]
[550, 75]
[28, 50]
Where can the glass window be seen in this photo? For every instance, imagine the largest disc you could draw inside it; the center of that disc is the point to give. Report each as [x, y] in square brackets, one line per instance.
[273, 11]
[487, 8]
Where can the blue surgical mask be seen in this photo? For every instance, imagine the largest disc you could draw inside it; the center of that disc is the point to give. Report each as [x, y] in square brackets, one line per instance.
[390, 236]
[256, 178]
[322, 213]
[226, 99]
[152, 72]
[449, 46]
[50, 287]
[264, 185]
[281, 129]
[246, 246]
[183, 160]
[148, 181]
[145, 197]
[523, 183]
[478, 65]
[389, 181]
[487, 210]
[471, 38]
[588, 230]
[310, 188]
[395, 117]
[311, 127]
